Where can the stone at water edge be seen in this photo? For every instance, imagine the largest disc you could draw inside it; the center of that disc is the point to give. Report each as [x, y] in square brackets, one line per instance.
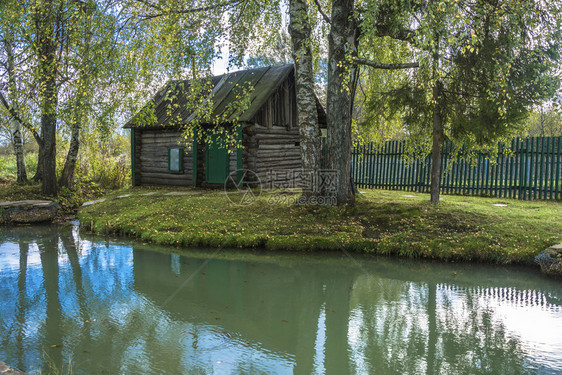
[5, 370]
[549, 261]
[25, 212]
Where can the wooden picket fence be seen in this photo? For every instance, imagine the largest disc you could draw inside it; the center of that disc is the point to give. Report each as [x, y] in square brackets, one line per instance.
[531, 169]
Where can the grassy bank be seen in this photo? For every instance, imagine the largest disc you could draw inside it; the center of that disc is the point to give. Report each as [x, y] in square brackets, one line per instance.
[382, 222]
[69, 200]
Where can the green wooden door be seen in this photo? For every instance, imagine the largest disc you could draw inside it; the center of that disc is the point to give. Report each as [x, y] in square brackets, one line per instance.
[217, 160]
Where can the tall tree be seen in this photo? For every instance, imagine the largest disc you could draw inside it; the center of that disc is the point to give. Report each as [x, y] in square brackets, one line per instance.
[17, 138]
[483, 65]
[346, 28]
[48, 21]
[307, 112]
[341, 81]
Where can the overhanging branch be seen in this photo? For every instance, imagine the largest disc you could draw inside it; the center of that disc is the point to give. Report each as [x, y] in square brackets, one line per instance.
[187, 11]
[324, 15]
[400, 34]
[15, 115]
[378, 65]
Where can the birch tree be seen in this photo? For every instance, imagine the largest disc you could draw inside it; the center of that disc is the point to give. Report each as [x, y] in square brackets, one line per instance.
[307, 113]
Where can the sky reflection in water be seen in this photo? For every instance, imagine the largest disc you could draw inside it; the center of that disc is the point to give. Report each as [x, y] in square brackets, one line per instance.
[107, 309]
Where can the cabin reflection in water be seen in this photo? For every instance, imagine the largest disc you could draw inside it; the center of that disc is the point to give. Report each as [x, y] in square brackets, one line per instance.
[127, 309]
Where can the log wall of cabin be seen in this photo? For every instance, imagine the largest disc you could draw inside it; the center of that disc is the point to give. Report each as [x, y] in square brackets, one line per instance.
[271, 141]
[151, 157]
[136, 153]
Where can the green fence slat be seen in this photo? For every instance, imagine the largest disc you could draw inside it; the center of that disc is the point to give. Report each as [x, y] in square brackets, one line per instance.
[557, 175]
[399, 167]
[402, 165]
[361, 163]
[457, 177]
[531, 179]
[389, 162]
[520, 170]
[550, 158]
[378, 166]
[395, 174]
[396, 162]
[538, 169]
[366, 166]
[428, 174]
[462, 162]
[369, 163]
[375, 163]
[497, 174]
[532, 171]
[390, 166]
[501, 166]
[479, 174]
[441, 169]
[543, 170]
[511, 169]
[383, 165]
[446, 169]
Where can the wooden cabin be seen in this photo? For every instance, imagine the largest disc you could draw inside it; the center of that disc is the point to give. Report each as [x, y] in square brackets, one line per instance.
[268, 131]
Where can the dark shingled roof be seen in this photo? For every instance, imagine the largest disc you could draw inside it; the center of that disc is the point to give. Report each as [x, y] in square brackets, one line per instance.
[170, 102]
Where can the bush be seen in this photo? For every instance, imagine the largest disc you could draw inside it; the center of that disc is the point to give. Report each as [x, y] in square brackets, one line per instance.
[9, 169]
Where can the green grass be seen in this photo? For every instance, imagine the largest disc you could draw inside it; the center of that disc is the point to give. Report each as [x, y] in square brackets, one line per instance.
[382, 222]
[69, 200]
[16, 192]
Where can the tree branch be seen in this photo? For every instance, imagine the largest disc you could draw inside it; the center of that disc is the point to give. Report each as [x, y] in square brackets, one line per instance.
[401, 34]
[324, 15]
[15, 115]
[192, 10]
[377, 65]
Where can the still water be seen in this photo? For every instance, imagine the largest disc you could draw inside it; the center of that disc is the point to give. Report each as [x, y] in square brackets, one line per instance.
[105, 306]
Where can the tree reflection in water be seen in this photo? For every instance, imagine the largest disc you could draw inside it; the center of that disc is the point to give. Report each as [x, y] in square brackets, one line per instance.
[108, 309]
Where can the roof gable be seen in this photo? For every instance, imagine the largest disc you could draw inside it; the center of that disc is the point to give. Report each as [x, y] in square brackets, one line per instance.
[170, 103]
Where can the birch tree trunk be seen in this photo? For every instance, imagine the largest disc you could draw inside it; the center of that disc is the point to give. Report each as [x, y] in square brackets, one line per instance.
[307, 113]
[17, 139]
[342, 40]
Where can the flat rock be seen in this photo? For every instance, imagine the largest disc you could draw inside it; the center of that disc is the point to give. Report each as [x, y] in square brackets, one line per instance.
[85, 204]
[409, 196]
[29, 211]
[499, 205]
[556, 247]
[5, 370]
[185, 193]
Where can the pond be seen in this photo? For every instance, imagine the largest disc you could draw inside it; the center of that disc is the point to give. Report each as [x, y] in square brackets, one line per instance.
[112, 306]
